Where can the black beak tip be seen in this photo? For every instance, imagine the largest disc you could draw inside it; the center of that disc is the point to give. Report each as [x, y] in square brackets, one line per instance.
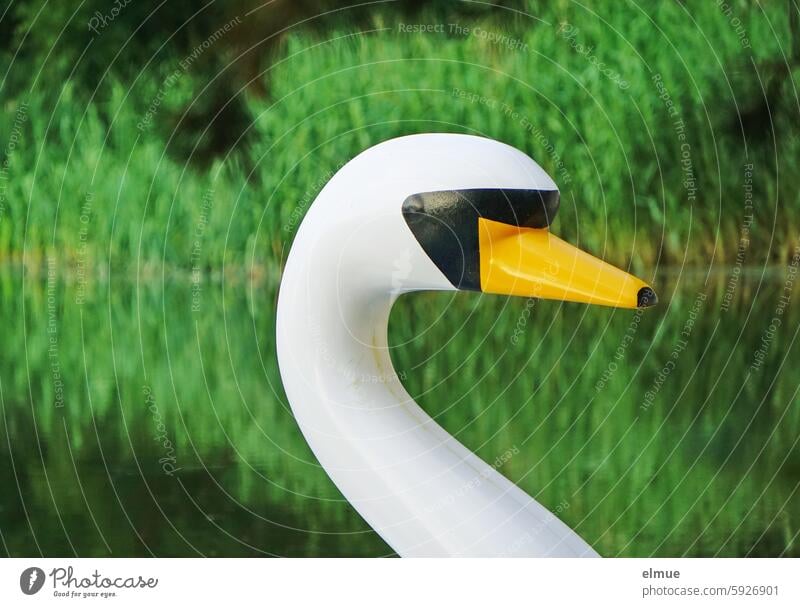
[646, 297]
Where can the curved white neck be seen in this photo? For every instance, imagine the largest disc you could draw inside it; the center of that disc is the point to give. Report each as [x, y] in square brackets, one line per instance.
[421, 490]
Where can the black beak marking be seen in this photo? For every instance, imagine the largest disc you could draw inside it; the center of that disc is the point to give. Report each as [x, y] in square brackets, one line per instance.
[646, 297]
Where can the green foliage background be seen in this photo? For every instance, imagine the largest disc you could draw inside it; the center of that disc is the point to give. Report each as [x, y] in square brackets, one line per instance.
[329, 93]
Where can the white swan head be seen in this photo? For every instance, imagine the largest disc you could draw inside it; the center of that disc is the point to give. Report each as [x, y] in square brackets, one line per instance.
[435, 211]
[448, 211]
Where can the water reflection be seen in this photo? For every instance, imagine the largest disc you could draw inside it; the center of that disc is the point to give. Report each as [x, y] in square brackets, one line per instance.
[149, 418]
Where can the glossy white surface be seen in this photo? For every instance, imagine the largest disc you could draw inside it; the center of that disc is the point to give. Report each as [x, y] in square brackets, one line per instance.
[418, 487]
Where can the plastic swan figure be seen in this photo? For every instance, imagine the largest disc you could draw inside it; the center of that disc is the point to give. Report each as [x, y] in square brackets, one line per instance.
[432, 211]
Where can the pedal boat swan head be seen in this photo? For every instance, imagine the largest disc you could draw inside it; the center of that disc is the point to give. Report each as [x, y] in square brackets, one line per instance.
[431, 211]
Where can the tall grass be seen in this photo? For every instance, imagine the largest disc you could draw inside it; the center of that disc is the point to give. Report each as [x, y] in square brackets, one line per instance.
[332, 96]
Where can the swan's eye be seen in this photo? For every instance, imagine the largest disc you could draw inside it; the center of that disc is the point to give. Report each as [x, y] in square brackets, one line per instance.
[445, 223]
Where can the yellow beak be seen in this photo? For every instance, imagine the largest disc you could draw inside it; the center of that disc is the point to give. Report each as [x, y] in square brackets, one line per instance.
[531, 262]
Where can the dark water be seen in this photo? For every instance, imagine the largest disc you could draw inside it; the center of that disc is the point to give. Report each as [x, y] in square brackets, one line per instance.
[148, 417]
